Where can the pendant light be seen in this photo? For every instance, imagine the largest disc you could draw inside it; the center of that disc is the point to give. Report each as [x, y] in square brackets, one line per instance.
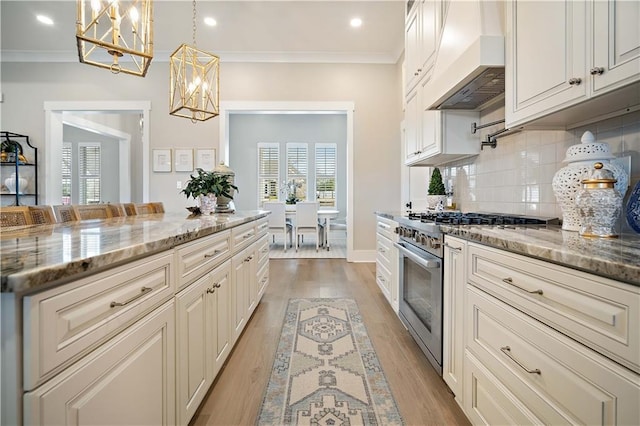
[195, 80]
[116, 34]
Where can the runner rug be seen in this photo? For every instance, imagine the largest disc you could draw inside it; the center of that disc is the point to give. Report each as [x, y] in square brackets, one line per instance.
[325, 370]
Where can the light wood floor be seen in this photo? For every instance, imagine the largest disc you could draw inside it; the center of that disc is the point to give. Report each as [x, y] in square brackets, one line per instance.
[235, 399]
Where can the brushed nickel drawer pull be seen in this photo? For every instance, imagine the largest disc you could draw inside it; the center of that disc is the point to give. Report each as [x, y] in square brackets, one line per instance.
[215, 252]
[507, 351]
[143, 291]
[452, 247]
[247, 235]
[509, 281]
[211, 290]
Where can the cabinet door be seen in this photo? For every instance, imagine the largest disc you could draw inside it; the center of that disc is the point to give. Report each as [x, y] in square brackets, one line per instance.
[453, 315]
[429, 26]
[129, 380]
[193, 336]
[252, 279]
[616, 44]
[239, 292]
[411, 50]
[220, 313]
[545, 58]
[412, 132]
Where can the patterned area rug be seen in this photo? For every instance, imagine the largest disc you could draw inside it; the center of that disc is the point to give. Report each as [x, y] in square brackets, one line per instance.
[325, 371]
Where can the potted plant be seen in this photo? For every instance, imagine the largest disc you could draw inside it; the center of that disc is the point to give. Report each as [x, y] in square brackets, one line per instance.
[207, 187]
[436, 192]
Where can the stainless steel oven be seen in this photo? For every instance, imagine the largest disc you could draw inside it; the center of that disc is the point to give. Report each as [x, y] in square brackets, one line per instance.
[420, 278]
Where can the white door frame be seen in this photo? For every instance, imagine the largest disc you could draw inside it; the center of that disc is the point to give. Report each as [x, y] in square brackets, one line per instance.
[348, 108]
[53, 140]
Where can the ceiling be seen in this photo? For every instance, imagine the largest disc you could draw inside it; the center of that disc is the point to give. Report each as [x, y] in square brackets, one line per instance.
[262, 31]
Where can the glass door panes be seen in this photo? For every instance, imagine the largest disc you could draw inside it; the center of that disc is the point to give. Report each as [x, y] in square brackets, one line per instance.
[326, 174]
[268, 172]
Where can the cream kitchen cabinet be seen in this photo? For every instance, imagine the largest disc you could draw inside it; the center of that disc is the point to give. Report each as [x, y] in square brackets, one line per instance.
[422, 29]
[128, 380]
[561, 56]
[202, 338]
[262, 277]
[243, 278]
[387, 260]
[547, 344]
[437, 137]
[454, 285]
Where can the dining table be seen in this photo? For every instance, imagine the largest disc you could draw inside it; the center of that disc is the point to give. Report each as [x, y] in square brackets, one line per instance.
[324, 215]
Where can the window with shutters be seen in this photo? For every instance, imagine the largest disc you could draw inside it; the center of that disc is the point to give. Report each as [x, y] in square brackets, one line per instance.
[66, 173]
[297, 170]
[326, 173]
[89, 173]
[268, 172]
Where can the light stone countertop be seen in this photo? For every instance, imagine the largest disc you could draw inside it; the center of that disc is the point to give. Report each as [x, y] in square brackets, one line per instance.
[36, 256]
[614, 258]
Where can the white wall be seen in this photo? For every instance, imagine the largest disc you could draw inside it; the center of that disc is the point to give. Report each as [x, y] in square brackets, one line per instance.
[374, 89]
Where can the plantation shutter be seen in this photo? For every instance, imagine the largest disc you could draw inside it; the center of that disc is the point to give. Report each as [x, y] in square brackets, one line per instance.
[66, 173]
[326, 174]
[268, 172]
[297, 169]
[89, 173]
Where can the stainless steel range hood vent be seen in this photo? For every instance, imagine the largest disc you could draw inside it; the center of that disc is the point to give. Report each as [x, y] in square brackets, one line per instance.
[485, 87]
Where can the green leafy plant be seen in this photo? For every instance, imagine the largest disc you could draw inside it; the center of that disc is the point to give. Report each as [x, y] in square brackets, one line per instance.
[436, 186]
[292, 199]
[205, 183]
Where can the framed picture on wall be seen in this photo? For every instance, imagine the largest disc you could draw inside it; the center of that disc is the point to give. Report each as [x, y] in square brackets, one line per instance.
[161, 160]
[184, 160]
[205, 159]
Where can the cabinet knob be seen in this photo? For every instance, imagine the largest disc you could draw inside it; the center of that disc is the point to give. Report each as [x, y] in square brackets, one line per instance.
[211, 290]
[416, 74]
[597, 71]
[575, 81]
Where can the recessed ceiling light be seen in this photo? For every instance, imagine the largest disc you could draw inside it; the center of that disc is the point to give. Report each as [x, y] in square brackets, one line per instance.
[356, 22]
[210, 21]
[44, 19]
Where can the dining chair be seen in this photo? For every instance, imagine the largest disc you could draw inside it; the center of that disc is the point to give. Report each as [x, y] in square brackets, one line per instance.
[92, 211]
[65, 213]
[145, 208]
[278, 222]
[307, 221]
[117, 210]
[15, 216]
[130, 209]
[42, 215]
[158, 206]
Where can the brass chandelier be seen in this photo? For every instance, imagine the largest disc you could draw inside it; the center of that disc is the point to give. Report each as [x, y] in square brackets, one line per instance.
[195, 81]
[116, 34]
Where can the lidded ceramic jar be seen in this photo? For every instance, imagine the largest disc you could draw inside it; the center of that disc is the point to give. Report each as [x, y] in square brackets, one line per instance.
[599, 204]
[568, 180]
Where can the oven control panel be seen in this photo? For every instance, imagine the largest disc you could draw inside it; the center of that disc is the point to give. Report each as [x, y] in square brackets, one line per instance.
[426, 241]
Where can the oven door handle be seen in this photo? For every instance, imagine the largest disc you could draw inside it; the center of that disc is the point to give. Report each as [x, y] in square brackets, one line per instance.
[425, 263]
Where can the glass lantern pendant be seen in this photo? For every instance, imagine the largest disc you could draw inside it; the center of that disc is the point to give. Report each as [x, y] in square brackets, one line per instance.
[116, 34]
[195, 81]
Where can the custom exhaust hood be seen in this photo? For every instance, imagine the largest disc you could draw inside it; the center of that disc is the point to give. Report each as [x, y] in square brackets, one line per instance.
[469, 69]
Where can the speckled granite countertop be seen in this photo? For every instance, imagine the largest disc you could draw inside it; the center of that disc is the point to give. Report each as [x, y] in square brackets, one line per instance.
[617, 258]
[38, 255]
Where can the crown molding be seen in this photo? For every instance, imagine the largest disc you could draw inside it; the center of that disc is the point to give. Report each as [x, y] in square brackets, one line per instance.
[267, 57]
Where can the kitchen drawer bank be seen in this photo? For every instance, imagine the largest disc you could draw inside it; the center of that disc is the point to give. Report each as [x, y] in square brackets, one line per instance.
[156, 300]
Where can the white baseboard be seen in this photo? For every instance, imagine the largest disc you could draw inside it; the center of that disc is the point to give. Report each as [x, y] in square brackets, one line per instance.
[362, 256]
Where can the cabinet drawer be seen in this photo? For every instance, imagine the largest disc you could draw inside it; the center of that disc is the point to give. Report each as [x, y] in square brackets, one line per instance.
[129, 380]
[384, 251]
[383, 278]
[202, 255]
[386, 227]
[63, 323]
[601, 313]
[242, 235]
[262, 227]
[262, 250]
[559, 380]
[263, 279]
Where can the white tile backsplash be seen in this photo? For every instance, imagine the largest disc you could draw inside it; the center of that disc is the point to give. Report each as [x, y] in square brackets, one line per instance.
[516, 176]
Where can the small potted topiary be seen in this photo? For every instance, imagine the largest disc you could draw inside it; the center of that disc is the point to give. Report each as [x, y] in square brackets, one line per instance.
[436, 192]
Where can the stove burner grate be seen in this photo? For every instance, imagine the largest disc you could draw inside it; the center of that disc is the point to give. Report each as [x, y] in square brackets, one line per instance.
[458, 218]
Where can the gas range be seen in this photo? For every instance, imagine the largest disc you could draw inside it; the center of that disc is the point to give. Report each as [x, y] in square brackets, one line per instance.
[422, 229]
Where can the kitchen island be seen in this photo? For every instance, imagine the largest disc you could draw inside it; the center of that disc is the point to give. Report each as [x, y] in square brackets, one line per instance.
[96, 314]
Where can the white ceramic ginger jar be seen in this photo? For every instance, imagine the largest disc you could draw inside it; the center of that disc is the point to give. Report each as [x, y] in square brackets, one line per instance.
[568, 180]
[12, 183]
